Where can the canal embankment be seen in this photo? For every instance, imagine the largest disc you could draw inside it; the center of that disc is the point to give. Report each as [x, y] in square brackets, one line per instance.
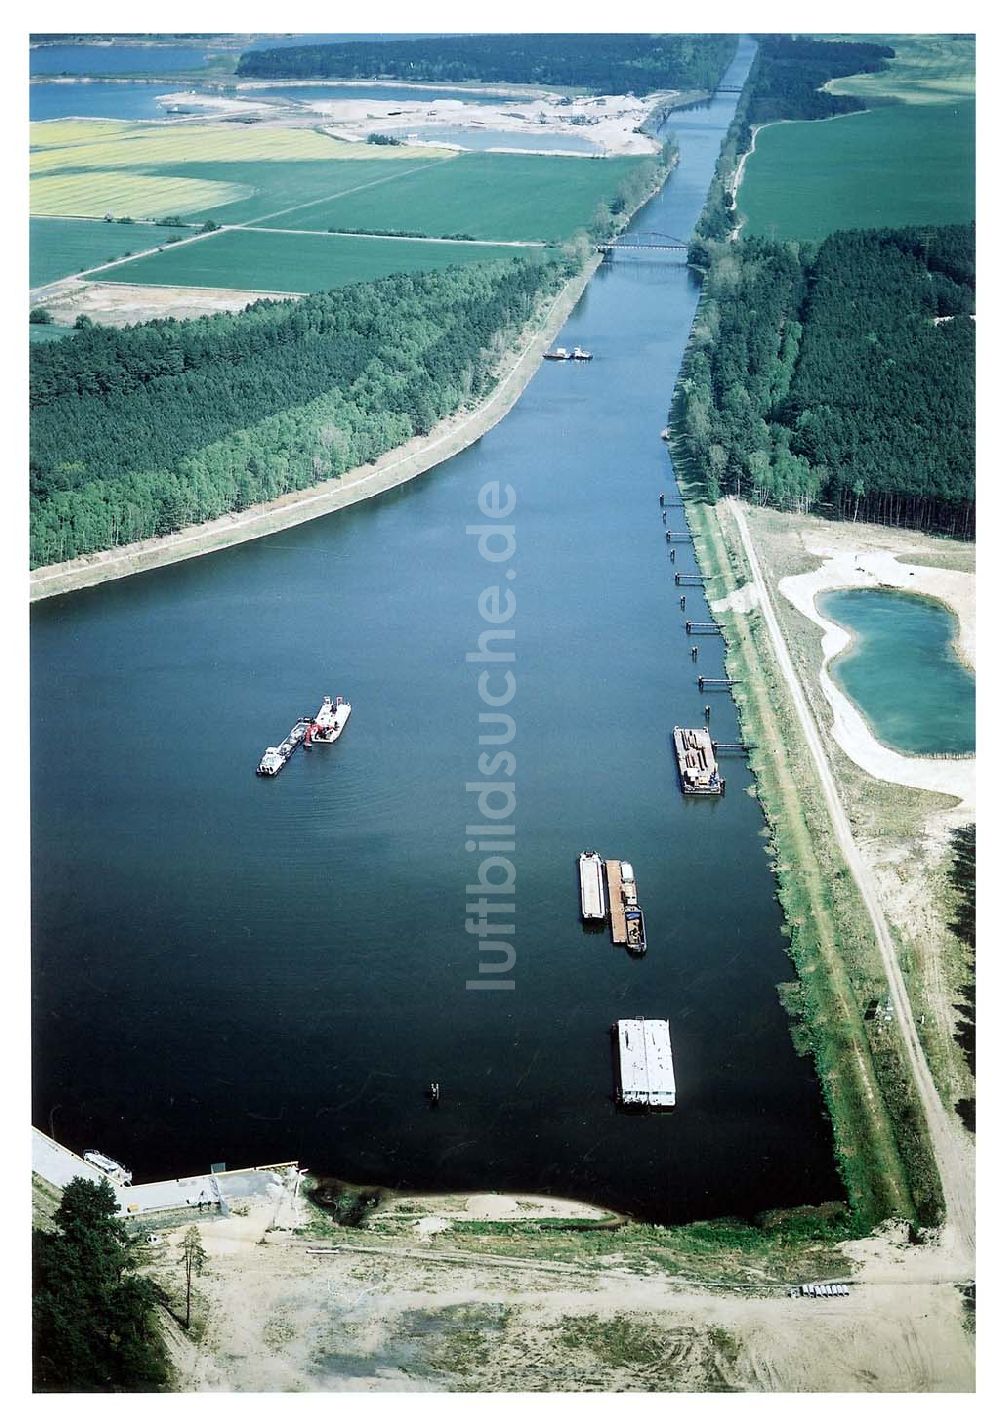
[823, 913]
[515, 370]
[903, 825]
[856, 1005]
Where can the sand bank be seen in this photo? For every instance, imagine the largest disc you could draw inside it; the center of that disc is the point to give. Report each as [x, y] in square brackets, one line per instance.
[846, 569]
[610, 124]
[416, 1311]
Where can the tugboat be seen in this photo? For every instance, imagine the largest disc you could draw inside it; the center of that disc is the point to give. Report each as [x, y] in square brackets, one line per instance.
[578, 355]
[434, 1095]
[635, 930]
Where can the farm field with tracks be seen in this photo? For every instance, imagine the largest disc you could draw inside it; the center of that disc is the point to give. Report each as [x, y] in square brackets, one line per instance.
[59, 248]
[302, 179]
[488, 195]
[293, 263]
[199, 170]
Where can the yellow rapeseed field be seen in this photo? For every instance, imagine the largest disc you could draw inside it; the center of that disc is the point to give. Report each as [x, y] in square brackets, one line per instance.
[149, 144]
[90, 193]
[87, 167]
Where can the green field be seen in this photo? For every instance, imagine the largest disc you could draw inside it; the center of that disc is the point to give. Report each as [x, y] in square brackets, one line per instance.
[928, 68]
[901, 164]
[62, 247]
[296, 195]
[47, 332]
[490, 195]
[295, 263]
[301, 179]
[226, 172]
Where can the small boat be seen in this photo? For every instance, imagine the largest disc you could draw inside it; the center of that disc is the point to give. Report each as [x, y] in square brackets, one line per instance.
[109, 1167]
[435, 1093]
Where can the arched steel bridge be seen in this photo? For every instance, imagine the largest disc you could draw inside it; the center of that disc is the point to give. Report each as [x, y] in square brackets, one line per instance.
[643, 240]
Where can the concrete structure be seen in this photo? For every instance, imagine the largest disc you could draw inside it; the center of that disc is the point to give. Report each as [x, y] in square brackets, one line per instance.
[193, 1192]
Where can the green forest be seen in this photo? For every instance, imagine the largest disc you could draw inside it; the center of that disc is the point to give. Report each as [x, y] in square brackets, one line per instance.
[838, 377]
[600, 63]
[144, 430]
[95, 1326]
[791, 73]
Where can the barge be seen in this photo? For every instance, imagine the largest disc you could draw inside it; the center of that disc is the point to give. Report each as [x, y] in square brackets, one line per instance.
[324, 728]
[628, 925]
[330, 720]
[592, 900]
[697, 763]
[645, 1075]
[564, 355]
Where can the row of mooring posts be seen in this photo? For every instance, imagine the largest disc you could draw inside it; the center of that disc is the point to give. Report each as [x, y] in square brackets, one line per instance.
[693, 628]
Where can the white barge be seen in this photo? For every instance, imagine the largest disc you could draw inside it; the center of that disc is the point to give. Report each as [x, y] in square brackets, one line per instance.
[330, 720]
[645, 1063]
[593, 905]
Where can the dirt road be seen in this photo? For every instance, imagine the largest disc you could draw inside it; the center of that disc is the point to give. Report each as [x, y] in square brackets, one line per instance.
[952, 1147]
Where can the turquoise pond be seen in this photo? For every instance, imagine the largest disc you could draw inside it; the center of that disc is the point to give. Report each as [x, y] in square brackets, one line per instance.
[902, 671]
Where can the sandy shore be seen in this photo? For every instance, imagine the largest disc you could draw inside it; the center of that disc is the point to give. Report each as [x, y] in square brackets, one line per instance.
[416, 1312]
[394, 468]
[611, 124]
[846, 569]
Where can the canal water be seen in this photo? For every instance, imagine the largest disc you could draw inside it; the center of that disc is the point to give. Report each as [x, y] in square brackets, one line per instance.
[230, 968]
[902, 671]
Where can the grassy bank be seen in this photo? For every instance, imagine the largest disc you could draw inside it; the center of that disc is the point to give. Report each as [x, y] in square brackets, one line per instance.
[880, 1138]
[781, 1247]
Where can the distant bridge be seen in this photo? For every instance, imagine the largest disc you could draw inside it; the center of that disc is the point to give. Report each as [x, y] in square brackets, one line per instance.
[643, 240]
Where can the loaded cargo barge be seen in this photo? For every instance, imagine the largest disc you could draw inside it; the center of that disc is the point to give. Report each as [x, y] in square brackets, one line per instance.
[645, 1075]
[324, 728]
[696, 762]
[628, 925]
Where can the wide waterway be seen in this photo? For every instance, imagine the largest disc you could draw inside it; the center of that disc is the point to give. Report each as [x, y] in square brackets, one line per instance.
[902, 670]
[241, 969]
